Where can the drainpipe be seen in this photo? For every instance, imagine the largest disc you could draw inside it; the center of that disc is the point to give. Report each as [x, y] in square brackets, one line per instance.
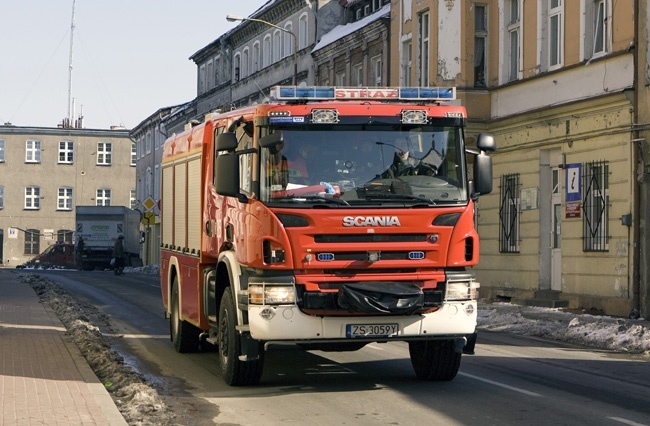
[638, 167]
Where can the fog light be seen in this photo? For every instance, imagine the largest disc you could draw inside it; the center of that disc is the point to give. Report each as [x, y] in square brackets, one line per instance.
[267, 314]
[457, 290]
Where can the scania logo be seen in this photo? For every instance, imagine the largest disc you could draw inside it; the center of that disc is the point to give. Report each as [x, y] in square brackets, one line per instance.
[371, 221]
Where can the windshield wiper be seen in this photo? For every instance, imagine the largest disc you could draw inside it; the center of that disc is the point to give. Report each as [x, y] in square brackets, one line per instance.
[385, 196]
[300, 198]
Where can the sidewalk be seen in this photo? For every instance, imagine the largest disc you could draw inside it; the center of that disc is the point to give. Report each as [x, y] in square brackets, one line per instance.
[43, 377]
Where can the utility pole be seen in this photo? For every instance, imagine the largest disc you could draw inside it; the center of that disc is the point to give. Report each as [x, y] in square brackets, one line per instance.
[70, 112]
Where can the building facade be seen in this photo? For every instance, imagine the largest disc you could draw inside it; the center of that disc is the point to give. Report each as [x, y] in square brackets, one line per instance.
[149, 137]
[357, 52]
[46, 172]
[554, 81]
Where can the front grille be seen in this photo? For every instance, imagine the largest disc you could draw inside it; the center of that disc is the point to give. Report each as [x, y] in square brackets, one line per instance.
[370, 238]
[363, 256]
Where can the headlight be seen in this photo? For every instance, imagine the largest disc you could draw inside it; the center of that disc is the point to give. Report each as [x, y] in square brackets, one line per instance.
[462, 290]
[271, 295]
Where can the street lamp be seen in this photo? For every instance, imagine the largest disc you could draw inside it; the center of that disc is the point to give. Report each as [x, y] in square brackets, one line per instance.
[233, 18]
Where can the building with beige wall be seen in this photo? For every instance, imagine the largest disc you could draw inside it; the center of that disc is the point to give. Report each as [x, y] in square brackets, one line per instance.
[46, 172]
[554, 81]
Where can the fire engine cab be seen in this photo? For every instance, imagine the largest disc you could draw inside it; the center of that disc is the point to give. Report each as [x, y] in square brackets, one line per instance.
[330, 218]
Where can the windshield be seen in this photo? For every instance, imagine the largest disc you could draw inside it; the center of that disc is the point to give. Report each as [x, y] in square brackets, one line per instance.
[365, 165]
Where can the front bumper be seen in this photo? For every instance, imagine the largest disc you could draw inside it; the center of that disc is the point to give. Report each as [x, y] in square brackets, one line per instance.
[288, 324]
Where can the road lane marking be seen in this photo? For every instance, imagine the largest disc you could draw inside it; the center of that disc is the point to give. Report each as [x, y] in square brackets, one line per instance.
[503, 385]
[626, 421]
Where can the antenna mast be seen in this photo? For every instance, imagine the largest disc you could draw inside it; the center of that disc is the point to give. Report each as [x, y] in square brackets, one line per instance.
[70, 112]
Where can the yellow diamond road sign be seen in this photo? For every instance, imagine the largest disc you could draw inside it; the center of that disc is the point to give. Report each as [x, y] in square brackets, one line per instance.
[149, 203]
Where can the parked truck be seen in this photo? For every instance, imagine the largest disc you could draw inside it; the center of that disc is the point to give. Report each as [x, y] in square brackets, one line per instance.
[100, 227]
[329, 218]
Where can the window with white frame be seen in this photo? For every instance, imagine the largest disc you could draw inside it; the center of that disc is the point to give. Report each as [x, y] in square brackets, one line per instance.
[597, 30]
[237, 67]
[303, 35]
[104, 153]
[33, 151]
[156, 182]
[513, 38]
[266, 51]
[2, 197]
[277, 46]
[244, 62]
[133, 200]
[32, 241]
[66, 152]
[209, 75]
[32, 198]
[375, 71]
[64, 236]
[406, 63]
[257, 60]
[288, 39]
[217, 70]
[340, 78]
[64, 199]
[2, 150]
[148, 179]
[134, 153]
[480, 44]
[147, 142]
[423, 33]
[103, 197]
[202, 78]
[556, 34]
[357, 75]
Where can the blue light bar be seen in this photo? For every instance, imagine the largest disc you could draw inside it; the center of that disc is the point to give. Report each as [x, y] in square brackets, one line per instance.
[430, 94]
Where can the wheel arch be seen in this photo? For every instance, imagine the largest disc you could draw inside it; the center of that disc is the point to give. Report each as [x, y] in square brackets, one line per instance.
[172, 273]
[229, 275]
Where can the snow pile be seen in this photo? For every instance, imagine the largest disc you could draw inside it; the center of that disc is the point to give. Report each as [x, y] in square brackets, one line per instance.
[602, 332]
[138, 402]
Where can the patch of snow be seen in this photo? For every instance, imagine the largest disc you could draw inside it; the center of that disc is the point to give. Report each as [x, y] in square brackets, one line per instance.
[602, 332]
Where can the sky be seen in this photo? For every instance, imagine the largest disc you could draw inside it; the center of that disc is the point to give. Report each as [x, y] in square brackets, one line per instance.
[130, 57]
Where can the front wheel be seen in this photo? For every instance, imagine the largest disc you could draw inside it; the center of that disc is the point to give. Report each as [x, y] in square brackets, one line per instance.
[434, 360]
[184, 335]
[235, 372]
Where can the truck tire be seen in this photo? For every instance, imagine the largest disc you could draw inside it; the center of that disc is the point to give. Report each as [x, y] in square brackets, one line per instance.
[184, 335]
[434, 360]
[235, 372]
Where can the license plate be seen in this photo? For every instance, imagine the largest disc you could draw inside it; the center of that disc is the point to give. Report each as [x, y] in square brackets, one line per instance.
[371, 330]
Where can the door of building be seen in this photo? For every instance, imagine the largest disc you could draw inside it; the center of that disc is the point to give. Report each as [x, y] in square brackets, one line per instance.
[556, 230]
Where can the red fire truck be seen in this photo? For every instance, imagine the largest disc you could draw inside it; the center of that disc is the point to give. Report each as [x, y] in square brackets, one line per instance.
[330, 218]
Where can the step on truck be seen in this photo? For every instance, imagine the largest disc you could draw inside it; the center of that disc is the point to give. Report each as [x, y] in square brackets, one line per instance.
[330, 218]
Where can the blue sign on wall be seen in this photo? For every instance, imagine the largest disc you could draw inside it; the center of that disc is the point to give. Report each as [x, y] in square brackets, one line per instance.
[573, 184]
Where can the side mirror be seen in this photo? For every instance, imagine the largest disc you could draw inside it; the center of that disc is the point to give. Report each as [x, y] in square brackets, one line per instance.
[486, 142]
[273, 142]
[227, 174]
[226, 142]
[482, 174]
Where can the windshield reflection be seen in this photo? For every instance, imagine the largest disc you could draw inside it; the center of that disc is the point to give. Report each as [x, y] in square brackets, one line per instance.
[413, 165]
